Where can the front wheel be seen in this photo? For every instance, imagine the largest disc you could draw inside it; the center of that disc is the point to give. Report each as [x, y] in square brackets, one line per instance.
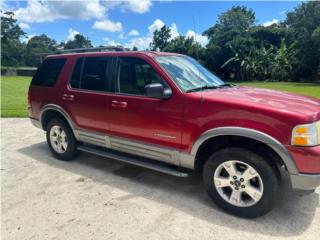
[241, 182]
[61, 140]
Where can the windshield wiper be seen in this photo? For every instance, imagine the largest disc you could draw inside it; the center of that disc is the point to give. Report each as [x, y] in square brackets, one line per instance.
[226, 85]
[202, 88]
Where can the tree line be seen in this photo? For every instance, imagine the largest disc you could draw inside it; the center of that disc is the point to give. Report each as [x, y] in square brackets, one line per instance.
[238, 49]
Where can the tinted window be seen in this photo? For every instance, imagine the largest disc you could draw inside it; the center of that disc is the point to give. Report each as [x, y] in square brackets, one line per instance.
[76, 75]
[48, 72]
[92, 76]
[134, 74]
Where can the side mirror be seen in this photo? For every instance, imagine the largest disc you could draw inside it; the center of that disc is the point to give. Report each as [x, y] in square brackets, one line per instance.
[157, 90]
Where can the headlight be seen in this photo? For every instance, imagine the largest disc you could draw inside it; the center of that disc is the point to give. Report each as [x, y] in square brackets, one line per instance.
[306, 135]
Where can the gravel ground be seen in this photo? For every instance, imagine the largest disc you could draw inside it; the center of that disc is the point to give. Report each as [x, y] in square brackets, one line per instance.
[97, 198]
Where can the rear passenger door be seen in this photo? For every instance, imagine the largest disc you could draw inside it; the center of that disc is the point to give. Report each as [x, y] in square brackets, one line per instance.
[85, 97]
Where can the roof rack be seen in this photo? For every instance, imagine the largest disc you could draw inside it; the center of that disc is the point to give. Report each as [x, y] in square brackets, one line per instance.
[97, 49]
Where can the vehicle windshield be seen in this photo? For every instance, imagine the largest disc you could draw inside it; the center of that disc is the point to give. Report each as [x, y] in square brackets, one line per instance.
[188, 73]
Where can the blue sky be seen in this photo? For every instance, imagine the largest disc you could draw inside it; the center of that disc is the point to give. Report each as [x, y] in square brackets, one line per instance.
[132, 22]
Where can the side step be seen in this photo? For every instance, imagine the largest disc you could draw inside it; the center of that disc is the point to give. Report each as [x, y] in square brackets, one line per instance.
[160, 167]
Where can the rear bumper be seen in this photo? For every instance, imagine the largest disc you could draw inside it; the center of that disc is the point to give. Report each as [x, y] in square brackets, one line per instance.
[36, 123]
[305, 181]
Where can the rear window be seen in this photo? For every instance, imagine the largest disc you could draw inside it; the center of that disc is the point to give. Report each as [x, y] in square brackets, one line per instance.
[48, 72]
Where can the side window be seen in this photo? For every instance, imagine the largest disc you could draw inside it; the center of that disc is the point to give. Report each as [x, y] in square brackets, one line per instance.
[90, 74]
[76, 74]
[48, 72]
[134, 74]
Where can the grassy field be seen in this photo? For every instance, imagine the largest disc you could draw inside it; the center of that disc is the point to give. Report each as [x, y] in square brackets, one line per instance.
[14, 93]
[309, 89]
[14, 96]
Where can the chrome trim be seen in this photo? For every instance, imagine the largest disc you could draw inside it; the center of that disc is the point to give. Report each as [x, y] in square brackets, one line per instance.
[133, 147]
[249, 133]
[92, 138]
[305, 181]
[164, 136]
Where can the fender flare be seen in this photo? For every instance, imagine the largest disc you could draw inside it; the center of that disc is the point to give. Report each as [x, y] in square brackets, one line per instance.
[248, 133]
[61, 111]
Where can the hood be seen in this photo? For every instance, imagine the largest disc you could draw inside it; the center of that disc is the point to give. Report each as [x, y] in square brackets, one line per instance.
[258, 97]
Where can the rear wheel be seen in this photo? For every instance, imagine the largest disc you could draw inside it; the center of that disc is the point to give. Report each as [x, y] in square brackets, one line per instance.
[241, 182]
[61, 140]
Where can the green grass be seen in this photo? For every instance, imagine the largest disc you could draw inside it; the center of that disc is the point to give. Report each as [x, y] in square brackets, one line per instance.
[308, 89]
[14, 93]
[14, 96]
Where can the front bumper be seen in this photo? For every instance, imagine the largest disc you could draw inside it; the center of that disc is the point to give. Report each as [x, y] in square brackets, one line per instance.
[305, 181]
[307, 161]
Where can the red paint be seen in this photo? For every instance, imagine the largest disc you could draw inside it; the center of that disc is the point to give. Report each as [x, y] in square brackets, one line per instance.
[185, 116]
[307, 159]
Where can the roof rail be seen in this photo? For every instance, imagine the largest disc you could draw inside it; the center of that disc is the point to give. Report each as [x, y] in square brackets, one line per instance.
[97, 49]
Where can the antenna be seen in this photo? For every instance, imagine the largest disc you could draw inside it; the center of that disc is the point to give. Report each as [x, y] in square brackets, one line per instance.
[195, 33]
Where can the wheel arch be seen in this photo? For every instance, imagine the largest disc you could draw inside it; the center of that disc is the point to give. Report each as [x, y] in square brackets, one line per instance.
[50, 111]
[217, 134]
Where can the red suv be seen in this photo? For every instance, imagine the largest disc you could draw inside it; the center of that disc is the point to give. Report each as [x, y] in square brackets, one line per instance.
[166, 112]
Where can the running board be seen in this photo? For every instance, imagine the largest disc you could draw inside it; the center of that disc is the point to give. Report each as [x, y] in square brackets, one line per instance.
[160, 167]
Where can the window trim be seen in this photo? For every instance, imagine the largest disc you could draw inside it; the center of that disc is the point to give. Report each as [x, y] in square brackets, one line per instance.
[110, 73]
[116, 82]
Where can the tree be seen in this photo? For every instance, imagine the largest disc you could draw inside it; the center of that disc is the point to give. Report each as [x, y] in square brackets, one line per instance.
[134, 48]
[240, 18]
[184, 45]
[39, 46]
[270, 36]
[231, 29]
[79, 41]
[11, 46]
[283, 62]
[160, 38]
[303, 22]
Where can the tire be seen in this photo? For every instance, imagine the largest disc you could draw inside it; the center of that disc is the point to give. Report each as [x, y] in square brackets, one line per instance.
[249, 195]
[65, 146]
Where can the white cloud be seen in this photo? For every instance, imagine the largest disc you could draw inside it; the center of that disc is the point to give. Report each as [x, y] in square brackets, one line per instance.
[24, 25]
[71, 34]
[269, 23]
[48, 11]
[203, 40]
[111, 42]
[156, 25]
[137, 6]
[174, 31]
[108, 26]
[122, 36]
[141, 43]
[134, 33]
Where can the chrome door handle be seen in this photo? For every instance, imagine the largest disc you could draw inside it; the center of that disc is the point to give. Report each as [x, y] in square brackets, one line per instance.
[68, 97]
[118, 104]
